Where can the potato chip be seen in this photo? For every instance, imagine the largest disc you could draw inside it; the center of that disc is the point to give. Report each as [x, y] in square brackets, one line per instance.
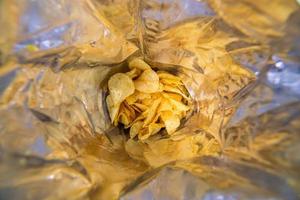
[132, 99]
[173, 83]
[147, 102]
[137, 109]
[138, 64]
[156, 117]
[170, 120]
[183, 89]
[112, 109]
[178, 105]
[123, 109]
[174, 96]
[161, 87]
[124, 119]
[129, 110]
[165, 75]
[147, 82]
[154, 128]
[152, 112]
[140, 117]
[135, 128]
[134, 73]
[140, 106]
[141, 96]
[137, 97]
[144, 134]
[180, 114]
[165, 105]
[156, 95]
[126, 116]
[168, 79]
[176, 90]
[120, 86]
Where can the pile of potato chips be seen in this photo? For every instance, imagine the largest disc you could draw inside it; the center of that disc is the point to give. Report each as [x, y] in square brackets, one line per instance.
[147, 101]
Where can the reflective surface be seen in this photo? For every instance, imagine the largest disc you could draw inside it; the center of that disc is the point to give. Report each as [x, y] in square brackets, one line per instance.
[238, 59]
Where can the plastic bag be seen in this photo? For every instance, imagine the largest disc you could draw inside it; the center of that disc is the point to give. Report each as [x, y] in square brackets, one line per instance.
[57, 141]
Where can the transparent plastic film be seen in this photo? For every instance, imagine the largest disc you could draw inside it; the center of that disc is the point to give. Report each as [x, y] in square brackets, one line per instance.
[238, 140]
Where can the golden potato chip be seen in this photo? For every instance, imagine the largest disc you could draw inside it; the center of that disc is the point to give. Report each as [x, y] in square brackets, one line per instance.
[120, 86]
[147, 82]
[137, 109]
[170, 120]
[170, 95]
[140, 117]
[173, 83]
[180, 114]
[135, 128]
[112, 109]
[144, 134]
[142, 95]
[176, 90]
[156, 117]
[123, 109]
[126, 115]
[134, 73]
[140, 106]
[169, 79]
[137, 97]
[156, 95]
[124, 119]
[132, 99]
[152, 112]
[165, 75]
[183, 89]
[161, 87]
[138, 64]
[165, 105]
[147, 102]
[154, 128]
[178, 105]
[129, 110]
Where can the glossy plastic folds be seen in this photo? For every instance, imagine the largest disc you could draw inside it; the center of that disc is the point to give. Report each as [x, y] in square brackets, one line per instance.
[239, 60]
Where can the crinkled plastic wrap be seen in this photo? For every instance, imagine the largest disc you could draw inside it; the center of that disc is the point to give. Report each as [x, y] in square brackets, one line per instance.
[239, 60]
